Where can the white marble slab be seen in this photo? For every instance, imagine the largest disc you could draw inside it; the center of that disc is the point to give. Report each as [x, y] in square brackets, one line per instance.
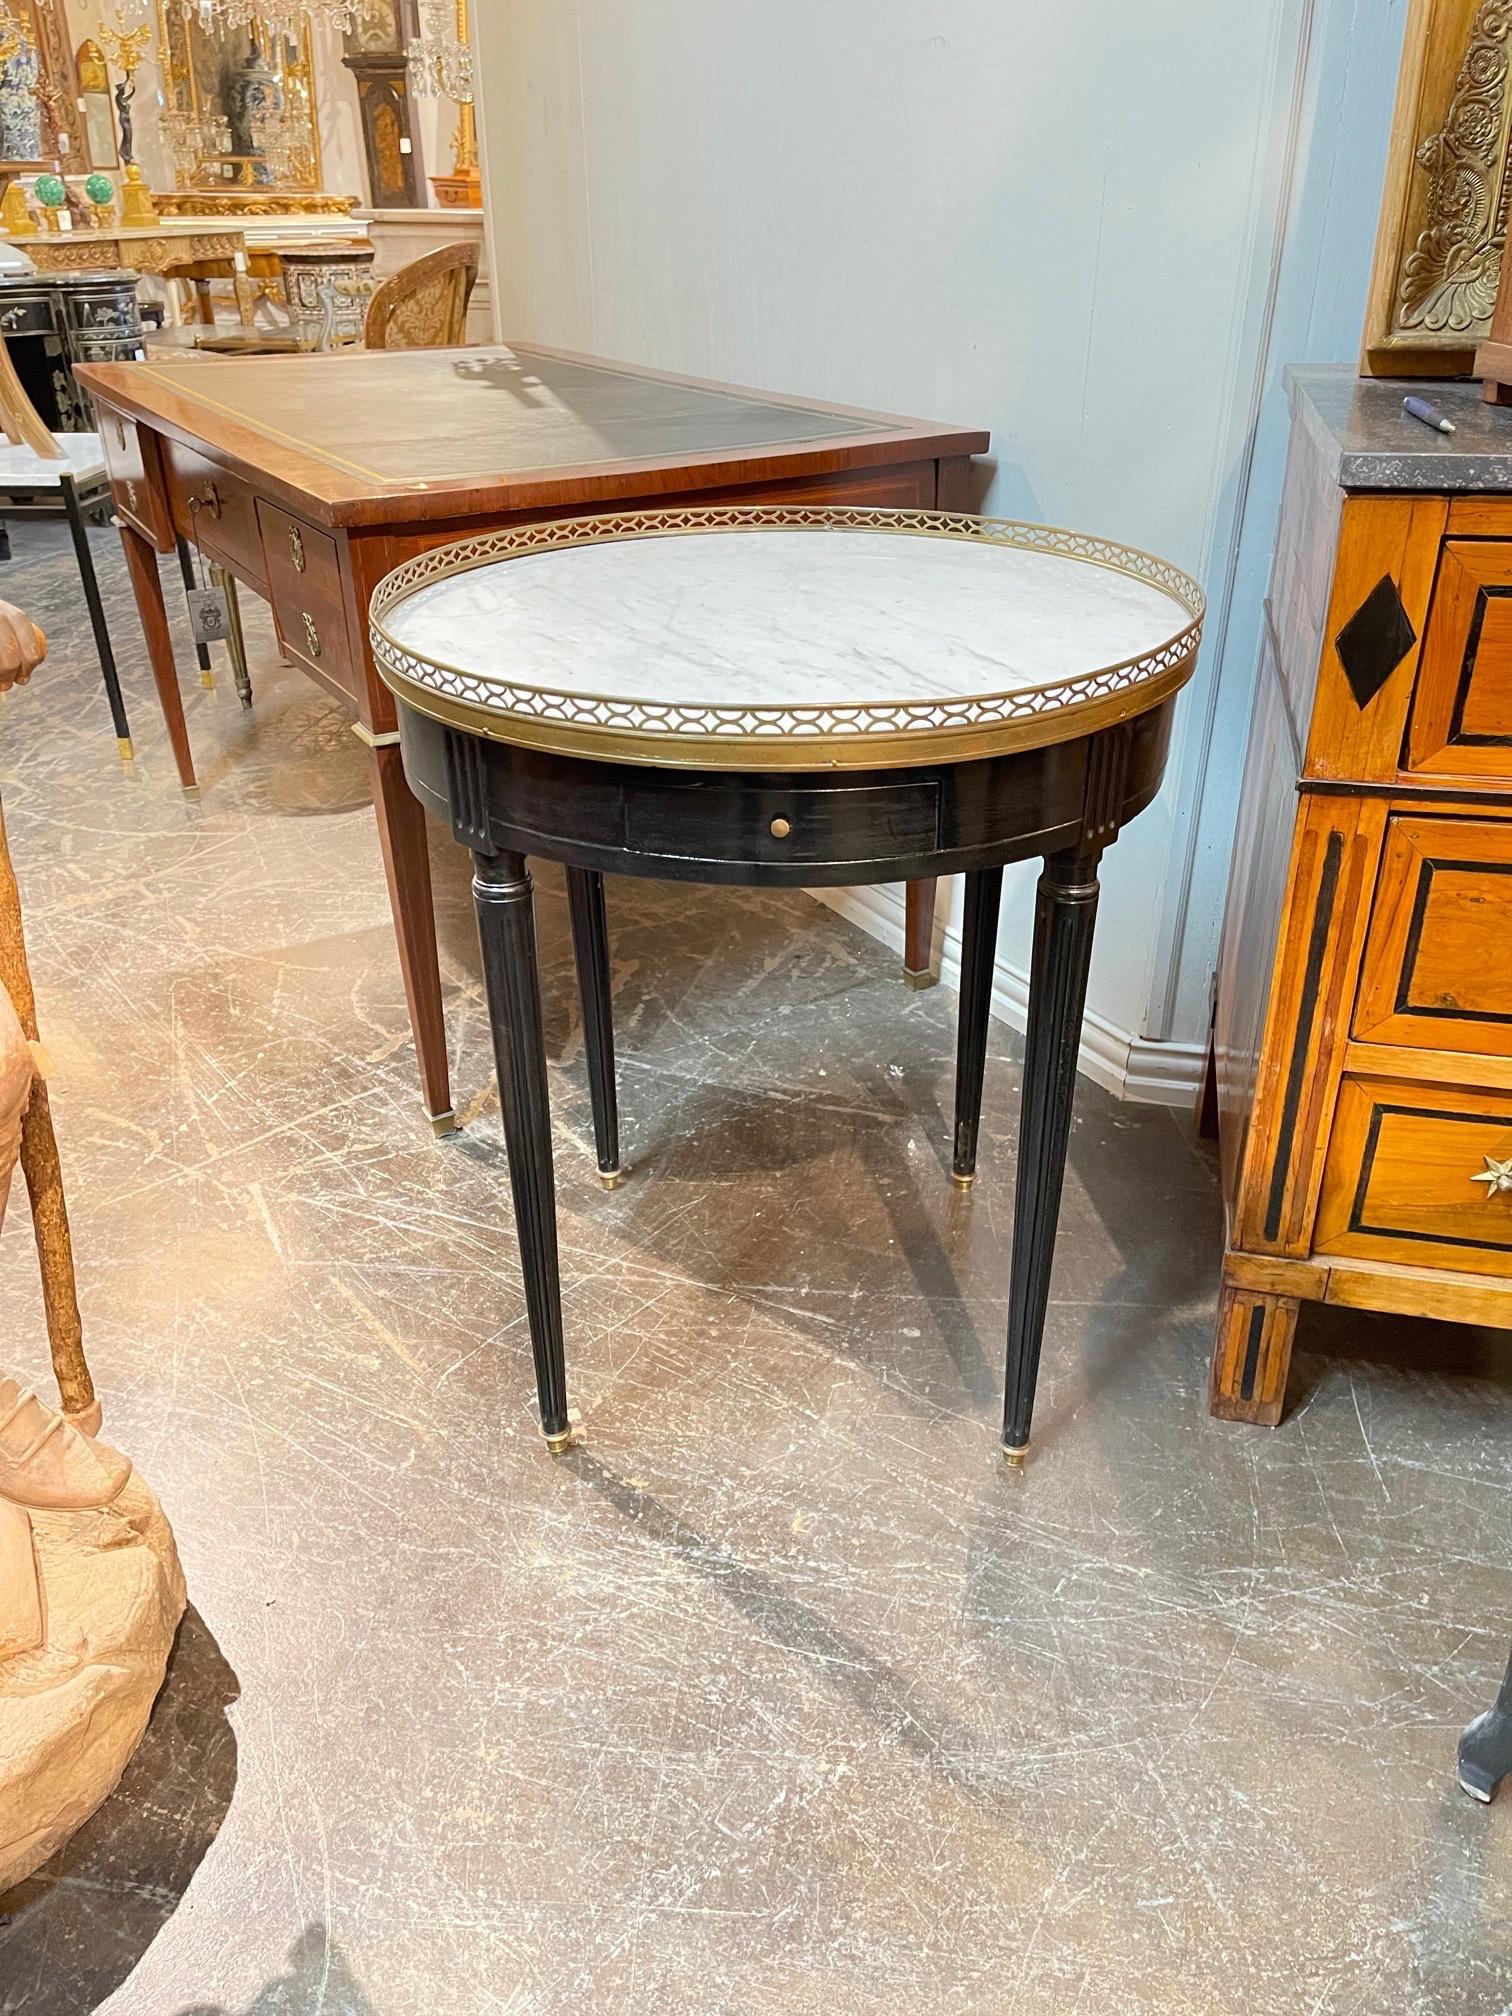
[21, 466]
[788, 617]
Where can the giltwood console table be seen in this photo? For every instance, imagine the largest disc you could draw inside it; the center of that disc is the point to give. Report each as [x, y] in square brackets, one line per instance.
[310, 477]
[171, 251]
[780, 698]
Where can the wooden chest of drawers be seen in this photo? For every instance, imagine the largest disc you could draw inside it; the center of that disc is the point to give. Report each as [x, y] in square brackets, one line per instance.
[1362, 1035]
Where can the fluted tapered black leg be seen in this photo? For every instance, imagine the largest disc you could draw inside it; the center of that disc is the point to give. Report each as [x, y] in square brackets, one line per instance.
[79, 532]
[1485, 1749]
[511, 976]
[186, 568]
[590, 945]
[1064, 912]
[984, 890]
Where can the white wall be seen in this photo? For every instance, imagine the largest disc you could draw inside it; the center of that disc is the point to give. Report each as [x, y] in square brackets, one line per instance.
[1095, 228]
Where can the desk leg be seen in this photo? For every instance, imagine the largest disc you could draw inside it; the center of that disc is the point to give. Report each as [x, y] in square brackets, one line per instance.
[236, 637]
[201, 651]
[406, 863]
[511, 975]
[1065, 910]
[918, 933]
[590, 945]
[147, 586]
[979, 927]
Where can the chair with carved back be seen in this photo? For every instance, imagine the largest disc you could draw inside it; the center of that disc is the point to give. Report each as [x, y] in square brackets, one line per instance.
[424, 305]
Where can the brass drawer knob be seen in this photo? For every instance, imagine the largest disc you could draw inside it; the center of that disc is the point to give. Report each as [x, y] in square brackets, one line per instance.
[296, 549]
[1496, 1176]
[780, 829]
[312, 635]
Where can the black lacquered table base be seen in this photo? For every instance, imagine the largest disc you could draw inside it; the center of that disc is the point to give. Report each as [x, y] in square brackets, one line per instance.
[1064, 802]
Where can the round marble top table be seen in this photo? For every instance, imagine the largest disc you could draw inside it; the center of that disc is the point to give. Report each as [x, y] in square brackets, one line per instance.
[787, 697]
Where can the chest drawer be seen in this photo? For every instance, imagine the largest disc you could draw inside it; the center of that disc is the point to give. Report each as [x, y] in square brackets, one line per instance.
[133, 458]
[304, 585]
[1419, 1175]
[1461, 722]
[215, 511]
[1438, 961]
[773, 823]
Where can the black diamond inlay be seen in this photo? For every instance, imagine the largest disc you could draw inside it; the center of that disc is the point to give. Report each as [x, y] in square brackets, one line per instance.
[1374, 641]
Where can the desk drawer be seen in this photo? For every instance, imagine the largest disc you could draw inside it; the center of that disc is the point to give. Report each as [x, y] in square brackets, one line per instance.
[304, 585]
[773, 823]
[1438, 960]
[1412, 1177]
[215, 511]
[1461, 723]
[133, 456]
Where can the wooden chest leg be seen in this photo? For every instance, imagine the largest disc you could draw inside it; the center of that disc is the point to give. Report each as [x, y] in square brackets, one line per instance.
[1252, 1355]
[147, 586]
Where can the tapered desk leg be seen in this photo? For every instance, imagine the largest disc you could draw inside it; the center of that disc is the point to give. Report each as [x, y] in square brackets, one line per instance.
[79, 532]
[511, 976]
[406, 863]
[918, 932]
[1064, 912]
[201, 651]
[1485, 1748]
[590, 945]
[984, 891]
[147, 586]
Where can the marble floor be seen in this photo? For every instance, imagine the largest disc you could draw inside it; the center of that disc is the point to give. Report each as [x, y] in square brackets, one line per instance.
[779, 1693]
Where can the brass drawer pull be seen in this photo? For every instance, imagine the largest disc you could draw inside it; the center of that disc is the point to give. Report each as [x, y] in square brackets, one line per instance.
[780, 829]
[210, 501]
[296, 549]
[312, 635]
[1497, 1176]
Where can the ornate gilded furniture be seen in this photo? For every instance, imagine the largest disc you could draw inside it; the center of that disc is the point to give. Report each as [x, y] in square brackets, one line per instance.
[783, 698]
[1363, 1033]
[1448, 186]
[310, 477]
[424, 305]
[177, 250]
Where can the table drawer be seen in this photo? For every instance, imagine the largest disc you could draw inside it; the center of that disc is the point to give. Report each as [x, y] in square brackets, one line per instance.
[304, 585]
[1461, 721]
[1412, 1177]
[133, 456]
[215, 511]
[1438, 960]
[774, 823]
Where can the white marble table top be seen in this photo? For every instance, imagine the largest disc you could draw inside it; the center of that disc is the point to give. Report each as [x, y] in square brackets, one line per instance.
[742, 624]
[21, 466]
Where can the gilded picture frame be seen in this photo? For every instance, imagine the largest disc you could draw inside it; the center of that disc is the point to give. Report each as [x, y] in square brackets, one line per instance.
[1448, 184]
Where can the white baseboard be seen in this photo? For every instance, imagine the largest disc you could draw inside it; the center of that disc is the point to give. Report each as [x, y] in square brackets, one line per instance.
[1129, 1066]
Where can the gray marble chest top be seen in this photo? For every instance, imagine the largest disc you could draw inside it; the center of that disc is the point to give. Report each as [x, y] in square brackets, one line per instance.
[1369, 443]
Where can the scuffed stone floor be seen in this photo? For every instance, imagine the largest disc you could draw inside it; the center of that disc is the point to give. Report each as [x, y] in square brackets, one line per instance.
[778, 1694]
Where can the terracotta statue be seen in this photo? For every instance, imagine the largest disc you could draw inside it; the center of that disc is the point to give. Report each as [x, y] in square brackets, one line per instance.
[90, 1588]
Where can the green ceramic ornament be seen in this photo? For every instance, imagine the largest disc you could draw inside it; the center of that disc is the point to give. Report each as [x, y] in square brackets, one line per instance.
[99, 188]
[50, 192]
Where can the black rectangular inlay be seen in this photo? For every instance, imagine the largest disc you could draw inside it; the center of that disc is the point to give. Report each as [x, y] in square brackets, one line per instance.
[1367, 1164]
[1374, 641]
[1296, 1070]
[1252, 1352]
[1457, 733]
[1426, 872]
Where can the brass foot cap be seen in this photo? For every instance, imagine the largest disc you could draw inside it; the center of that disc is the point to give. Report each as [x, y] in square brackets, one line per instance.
[191, 791]
[443, 1124]
[962, 1182]
[924, 979]
[123, 744]
[1015, 1457]
[612, 1178]
[557, 1443]
[207, 680]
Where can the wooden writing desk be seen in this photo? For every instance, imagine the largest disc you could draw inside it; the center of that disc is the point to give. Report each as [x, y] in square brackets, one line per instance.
[310, 477]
